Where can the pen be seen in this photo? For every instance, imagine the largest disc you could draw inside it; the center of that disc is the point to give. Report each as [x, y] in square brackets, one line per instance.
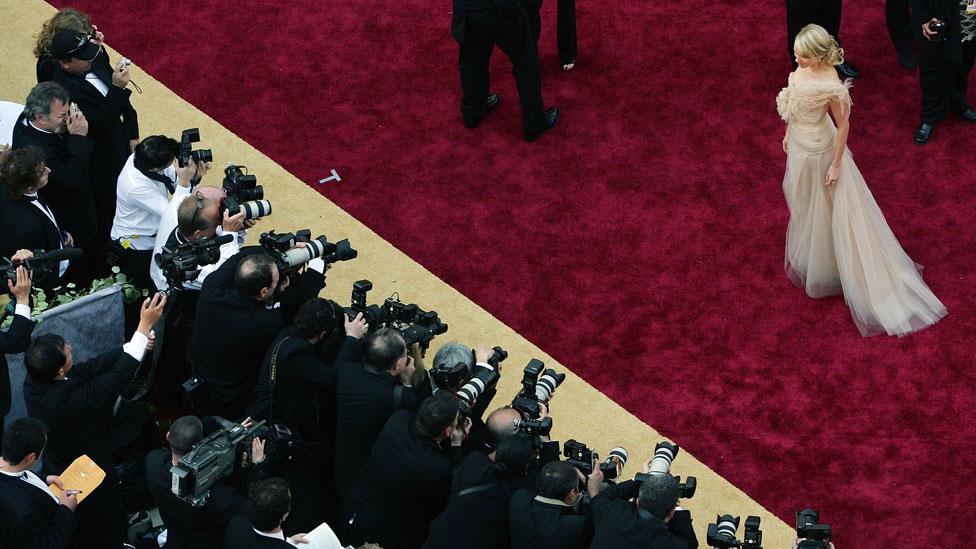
[72, 492]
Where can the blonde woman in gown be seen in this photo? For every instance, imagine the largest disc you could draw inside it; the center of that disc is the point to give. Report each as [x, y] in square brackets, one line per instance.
[838, 241]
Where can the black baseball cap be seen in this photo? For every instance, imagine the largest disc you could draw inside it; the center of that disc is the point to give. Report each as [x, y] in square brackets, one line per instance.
[69, 44]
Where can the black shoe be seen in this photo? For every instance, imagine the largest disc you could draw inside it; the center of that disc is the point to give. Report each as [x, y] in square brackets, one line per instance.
[969, 115]
[492, 102]
[846, 70]
[923, 134]
[552, 115]
[907, 60]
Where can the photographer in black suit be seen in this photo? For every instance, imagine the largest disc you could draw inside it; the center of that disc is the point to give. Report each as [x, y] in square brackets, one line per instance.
[480, 25]
[367, 394]
[476, 516]
[655, 522]
[945, 61]
[31, 516]
[100, 92]
[189, 526]
[62, 136]
[304, 358]
[26, 221]
[17, 338]
[77, 403]
[238, 317]
[552, 517]
[268, 505]
[407, 478]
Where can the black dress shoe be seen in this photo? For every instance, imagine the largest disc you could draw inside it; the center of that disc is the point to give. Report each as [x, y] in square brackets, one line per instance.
[969, 115]
[923, 134]
[492, 102]
[908, 60]
[552, 115]
[847, 70]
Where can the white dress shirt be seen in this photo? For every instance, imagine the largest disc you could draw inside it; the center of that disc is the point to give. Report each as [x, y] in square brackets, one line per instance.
[139, 206]
[278, 535]
[34, 480]
[97, 83]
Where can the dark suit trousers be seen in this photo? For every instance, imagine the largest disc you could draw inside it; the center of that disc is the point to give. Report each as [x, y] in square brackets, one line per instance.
[944, 83]
[899, 23]
[565, 29]
[800, 13]
[482, 31]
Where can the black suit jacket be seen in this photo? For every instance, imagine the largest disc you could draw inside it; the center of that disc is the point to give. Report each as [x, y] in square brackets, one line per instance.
[24, 226]
[946, 10]
[14, 340]
[30, 519]
[78, 410]
[477, 520]
[69, 190]
[619, 524]
[365, 399]
[403, 486]
[190, 527]
[536, 525]
[233, 332]
[302, 378]
[241, 535]
[112, 122]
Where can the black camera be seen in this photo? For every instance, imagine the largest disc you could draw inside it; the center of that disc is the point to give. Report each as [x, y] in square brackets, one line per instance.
[243, 193]
[417, 325]
[812, 534]
[284, 249]
[450, 377]
[938, 31]
[40, 266]
[536, 389]
[581, 457]
[181, 264]
[535, 427]
[189, 137]
[721, 534]
[664, 454]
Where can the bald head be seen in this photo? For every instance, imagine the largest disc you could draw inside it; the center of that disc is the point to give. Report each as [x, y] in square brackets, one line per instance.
[502, 422]
[256, 276]
[199, 214]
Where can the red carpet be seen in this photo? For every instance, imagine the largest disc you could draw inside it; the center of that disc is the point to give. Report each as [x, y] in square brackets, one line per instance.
[641, 243]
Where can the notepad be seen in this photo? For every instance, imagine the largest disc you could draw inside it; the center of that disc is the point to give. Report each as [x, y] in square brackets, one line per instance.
[322, 537]
[83, 474]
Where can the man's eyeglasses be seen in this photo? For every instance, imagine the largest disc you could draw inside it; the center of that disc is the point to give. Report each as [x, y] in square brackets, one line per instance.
[201, 204]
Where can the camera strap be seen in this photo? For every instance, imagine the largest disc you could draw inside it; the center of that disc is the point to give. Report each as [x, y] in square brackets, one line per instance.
[272, 375]
[155, 176]
[474, 490]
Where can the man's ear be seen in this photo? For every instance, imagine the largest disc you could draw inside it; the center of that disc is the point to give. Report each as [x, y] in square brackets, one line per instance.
[167, 437]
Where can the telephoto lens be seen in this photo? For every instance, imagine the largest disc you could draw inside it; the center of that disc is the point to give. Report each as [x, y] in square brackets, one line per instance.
[256, 209]
[300, 255]
[721, 534]
[664, 454]
[546, 386]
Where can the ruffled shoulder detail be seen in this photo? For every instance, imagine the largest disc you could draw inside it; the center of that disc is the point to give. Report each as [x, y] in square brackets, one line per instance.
[809, 97]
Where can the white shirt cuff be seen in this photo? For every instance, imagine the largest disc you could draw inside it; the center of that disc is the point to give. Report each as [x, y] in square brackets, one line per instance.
[22, 310]
[136, 347]
[317, 264]
[485, 365]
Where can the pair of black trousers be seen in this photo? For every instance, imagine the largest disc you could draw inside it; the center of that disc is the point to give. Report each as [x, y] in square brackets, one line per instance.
[483, 30]
[899, 23]
[800, 13]
[944, 83]
[565, 29]
[135, 265]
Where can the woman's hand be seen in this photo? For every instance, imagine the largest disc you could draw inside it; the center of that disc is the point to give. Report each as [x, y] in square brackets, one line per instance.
[832, 173]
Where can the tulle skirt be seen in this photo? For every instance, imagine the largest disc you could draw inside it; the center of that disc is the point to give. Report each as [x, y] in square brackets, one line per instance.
[838, 242]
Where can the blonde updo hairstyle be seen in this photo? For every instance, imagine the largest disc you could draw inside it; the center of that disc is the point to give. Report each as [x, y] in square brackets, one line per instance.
[66, 19]
[815, 42]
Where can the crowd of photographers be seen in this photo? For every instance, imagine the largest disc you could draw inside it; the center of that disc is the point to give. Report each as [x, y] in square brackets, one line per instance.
[291, 411]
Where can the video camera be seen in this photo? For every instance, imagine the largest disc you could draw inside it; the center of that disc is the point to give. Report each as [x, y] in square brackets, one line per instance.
[189, 137]
[40, 265]
[289, 256]
[812, 534]
[181, 264]
[242, 192]
[417, 325]
[468, 385]
[581, 457]
[536, 389]
[721, 534]
[664, 454]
